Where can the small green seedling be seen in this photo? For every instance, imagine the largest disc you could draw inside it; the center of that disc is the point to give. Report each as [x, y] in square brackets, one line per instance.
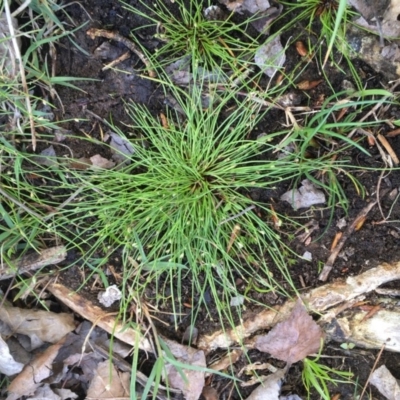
[317, 376]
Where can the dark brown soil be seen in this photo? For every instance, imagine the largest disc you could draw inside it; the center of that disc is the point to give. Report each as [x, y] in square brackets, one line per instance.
[104, 96]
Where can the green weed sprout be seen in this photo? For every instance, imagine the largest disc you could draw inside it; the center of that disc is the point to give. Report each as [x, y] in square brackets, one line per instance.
[317, 376]
[217, 45]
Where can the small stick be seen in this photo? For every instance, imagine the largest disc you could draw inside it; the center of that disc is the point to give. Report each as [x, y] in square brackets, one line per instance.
[33, 261]
[118, 60]
[235, 232]
[388, 148]
[237, 215]
[93, 33]
[372, 371]
[331, 259]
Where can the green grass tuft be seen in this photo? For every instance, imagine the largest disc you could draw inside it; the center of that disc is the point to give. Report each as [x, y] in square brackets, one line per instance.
[216, 45]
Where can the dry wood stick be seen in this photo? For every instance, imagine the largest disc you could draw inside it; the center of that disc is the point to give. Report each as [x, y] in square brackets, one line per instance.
[30, 262]
[323, 276]
[93, 33]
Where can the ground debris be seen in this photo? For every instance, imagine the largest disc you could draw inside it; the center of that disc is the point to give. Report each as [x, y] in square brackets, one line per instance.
[385, 382]
[292, 339]
[318, 300]
[33, 261]
[34, 373]
[8, 366]
[270, 387]
[108, 383]
[380, 329]
[41, 326]
[304, 197]
[270, 57]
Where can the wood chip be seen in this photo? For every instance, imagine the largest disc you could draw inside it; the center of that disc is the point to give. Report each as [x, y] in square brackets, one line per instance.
[33, 261]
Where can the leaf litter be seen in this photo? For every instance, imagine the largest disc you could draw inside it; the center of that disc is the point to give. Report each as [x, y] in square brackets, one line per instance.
[293, 339]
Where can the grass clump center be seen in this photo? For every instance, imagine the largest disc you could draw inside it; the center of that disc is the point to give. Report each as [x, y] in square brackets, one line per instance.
[182, 208]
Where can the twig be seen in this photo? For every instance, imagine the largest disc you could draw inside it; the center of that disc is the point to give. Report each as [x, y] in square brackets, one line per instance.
[93, 33]
[118, 60]
[372, 370]
[33, 261]
[247, 209]
[319, 300]
[87, 310]
[331, 259]
[323, 276]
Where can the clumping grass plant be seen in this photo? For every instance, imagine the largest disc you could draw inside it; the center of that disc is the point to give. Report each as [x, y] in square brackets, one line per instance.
[218, 45]
[182, 210]
[182, 207]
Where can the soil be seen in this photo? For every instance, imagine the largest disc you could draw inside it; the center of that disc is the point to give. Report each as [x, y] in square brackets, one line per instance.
[104, 95]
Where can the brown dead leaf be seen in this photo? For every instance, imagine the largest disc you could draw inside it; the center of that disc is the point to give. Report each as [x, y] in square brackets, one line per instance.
[301, 48]
[34, 373]
[38, 324]
[209, 393]
[226, 361]
[108, 383]
[293, 339]
[308, 85]
[45, 392]
[270, 387]
[100, 162]
[386, 383]
[193, 385]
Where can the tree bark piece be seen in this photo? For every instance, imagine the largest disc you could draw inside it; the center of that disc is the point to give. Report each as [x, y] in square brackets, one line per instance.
[33, 261]
[318, 300]
[97, 316]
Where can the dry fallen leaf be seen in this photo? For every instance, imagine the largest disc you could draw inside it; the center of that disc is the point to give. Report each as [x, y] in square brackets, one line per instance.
[293, 339]
[209, 393]
[269, 388]
[194, 383]
[370, 9]
[100, 162]
[8, 366]
[38, 324]
[304, 197]
[34, 373]
[385, 10]
[108, 386]
[308, 85]
[45, 392]
[386, 383]
[270, 57]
